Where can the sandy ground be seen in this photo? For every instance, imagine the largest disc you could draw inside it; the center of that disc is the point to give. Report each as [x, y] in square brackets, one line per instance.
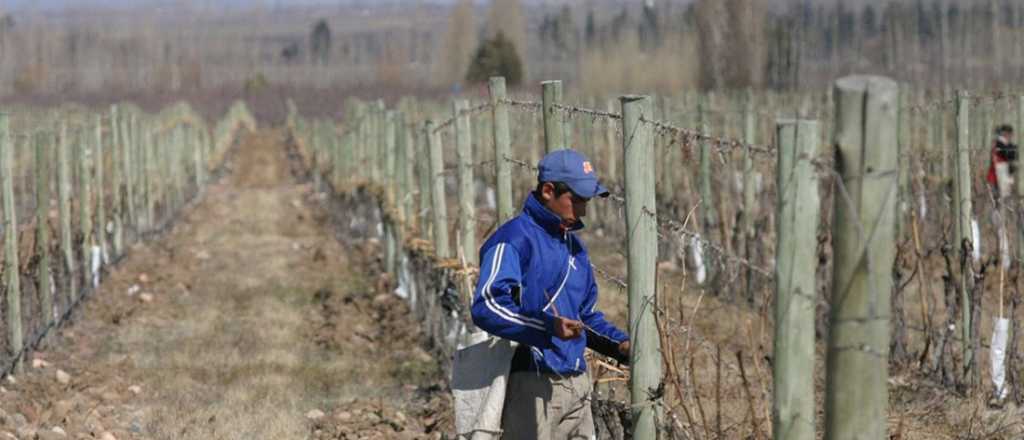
[249, 321]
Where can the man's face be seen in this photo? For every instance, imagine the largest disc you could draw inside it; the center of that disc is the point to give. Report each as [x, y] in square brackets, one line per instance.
[570, 207]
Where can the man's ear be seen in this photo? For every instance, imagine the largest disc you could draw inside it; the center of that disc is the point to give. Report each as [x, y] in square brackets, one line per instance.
[547, 191]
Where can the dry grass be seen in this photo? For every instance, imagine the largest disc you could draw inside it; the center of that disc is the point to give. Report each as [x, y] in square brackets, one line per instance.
[234, 344]
[624, 67]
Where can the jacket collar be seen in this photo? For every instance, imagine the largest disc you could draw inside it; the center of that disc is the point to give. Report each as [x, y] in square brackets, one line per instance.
[548, 220]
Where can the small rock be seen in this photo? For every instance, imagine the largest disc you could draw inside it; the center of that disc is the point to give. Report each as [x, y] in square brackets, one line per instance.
[26, 432]
[7, 436]
[203, 255]
[668, 266]
[422, 355]
[63, 378]
[61, 410]
[107, 436]
[135, 389]
[58, 430]
[146, 297]
[134, 289]
[143, 278]
[400, 417]
[109, 396]
[3, 390]
[39, 363]
[315, 414]
[296, 246]
[93, 424]
[381, 299]
[11, 380]
[344, 416]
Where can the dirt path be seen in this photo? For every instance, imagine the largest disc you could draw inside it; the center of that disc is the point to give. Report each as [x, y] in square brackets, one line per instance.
[249, 322]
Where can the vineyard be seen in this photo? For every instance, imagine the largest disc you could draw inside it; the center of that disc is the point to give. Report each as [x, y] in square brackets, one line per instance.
[787, 264]
[746, 201]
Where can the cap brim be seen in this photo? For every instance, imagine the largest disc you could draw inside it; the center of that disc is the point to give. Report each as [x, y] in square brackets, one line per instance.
[589, 189]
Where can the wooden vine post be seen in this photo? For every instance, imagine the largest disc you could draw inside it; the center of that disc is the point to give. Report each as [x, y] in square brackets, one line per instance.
[864, 250]
[642, 245]
[793, 410]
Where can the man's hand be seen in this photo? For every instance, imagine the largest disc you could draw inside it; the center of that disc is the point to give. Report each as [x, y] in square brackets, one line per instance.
[567, 328]
[624, 348]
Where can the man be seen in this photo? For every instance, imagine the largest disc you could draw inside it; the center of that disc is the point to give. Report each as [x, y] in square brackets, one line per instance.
[1003, 165]
[537, 288]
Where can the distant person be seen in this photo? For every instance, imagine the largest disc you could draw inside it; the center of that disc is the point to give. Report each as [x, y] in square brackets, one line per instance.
[1003, 162]
[537, 288]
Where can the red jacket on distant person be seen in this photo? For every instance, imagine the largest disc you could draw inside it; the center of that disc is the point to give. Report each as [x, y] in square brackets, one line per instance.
[1002, 152]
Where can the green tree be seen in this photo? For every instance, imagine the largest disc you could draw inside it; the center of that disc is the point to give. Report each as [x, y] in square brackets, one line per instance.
[320, 42]
[496, 57]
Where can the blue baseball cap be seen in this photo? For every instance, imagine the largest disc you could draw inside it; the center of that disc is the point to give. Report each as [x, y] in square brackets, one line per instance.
[573, 169]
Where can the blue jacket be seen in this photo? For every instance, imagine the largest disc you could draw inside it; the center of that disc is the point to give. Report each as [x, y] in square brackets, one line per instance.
[531, 271]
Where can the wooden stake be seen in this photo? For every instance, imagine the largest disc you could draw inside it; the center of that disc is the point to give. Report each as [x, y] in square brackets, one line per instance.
[642, 244]
[15, 340]
[793, 410]
[863, 245]
[467, 191]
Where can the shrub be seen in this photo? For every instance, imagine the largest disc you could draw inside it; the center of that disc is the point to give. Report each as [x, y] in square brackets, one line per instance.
[496, 57]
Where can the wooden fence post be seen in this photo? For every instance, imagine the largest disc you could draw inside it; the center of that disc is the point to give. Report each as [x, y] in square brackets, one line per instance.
[554, 131]
[904, 138]
[43, 279]
[944, 148]
[408, 184]
[101, 210]
[863, 246]
[440, 209]
[1019, 187]
[197, 154]
[85, 204]
[401, 171]
[641, 222]
[152, 175]
[611, 156]
[116, 180]
[423, 167]
[377, 146]
[502, 149]
[64, 210]
[667, 156]
[793, 349]
[348, 162]
[181, 165]
[315, 147]
[363, 139]
[707, 204]
[749, 193]
[171, 148]
[467, 193]
[125, 145]
[388, 185]
[962, 228]
[12, 275]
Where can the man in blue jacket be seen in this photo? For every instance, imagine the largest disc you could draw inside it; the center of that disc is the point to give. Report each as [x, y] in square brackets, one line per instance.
[537, 288]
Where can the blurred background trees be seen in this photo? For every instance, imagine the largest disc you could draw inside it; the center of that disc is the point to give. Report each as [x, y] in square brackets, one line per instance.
[363, 46]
